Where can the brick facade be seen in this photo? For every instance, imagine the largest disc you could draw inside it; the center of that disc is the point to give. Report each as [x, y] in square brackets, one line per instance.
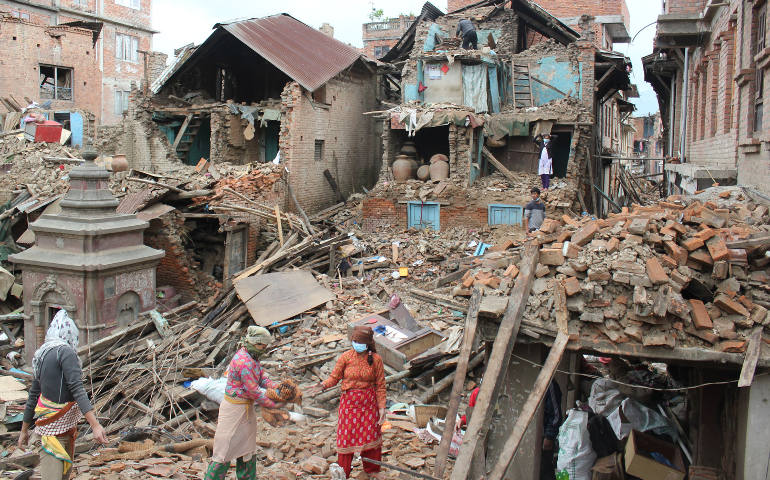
[333, 136]
[26, 46]
[384, 213]
[385, 34]
[113, 74]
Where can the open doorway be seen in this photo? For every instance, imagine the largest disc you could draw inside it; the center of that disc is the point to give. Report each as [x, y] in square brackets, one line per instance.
[560, 150]
[431, 141]
[207, 244]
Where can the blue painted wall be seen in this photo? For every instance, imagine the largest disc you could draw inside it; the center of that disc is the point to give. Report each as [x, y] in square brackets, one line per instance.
[560, 74]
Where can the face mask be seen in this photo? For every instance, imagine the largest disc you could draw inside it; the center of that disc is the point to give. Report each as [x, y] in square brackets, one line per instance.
[546, 140]
[359, 347]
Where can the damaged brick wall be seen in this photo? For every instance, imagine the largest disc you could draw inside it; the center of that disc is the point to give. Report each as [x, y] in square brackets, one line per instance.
[156, 63]
[333, 135]
[26, 45]
[385, 213]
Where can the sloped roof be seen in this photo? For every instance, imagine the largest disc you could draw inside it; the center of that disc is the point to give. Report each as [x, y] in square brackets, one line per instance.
[306, 55]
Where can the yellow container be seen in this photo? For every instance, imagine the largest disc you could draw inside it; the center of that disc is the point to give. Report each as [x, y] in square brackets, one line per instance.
[403, 271]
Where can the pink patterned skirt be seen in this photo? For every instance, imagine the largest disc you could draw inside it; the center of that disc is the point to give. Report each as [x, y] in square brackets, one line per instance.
[358, 429]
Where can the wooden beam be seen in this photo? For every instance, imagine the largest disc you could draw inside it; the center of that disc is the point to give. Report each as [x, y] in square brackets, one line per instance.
[541, 82]
[530, 406]
[762, 241]
[278, 222]
[182, 129]
[451, 277]
[507, 173]
[471, 321]
[752, 356]
[498, 364]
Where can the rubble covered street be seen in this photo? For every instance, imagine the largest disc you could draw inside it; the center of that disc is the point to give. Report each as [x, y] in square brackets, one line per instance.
[555, 289]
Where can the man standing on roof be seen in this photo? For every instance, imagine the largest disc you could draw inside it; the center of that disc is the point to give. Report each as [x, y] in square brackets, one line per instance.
[467, 31]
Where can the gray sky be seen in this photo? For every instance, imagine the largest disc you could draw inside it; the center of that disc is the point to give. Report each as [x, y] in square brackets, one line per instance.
[180, 25]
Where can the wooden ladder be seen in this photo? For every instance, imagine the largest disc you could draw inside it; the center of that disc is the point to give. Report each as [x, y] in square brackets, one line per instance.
[522, 86]
[187, 133]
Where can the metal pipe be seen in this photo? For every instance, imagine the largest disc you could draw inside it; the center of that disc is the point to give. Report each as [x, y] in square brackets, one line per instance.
[683, 120]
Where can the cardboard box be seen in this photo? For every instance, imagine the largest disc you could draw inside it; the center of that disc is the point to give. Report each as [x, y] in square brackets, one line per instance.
[640, 464]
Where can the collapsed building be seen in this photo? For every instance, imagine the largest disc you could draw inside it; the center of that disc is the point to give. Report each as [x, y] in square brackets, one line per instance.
[480, 109]
[257, 91]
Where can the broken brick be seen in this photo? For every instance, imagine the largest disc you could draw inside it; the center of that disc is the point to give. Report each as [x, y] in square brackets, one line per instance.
[572, 250]
[668, 261]
[706, 335]
[700, 316]
[701, 257]
[730, 306]
[746, 302]
[572, 286]
[549, 225]
[512, 271]
[542, 270]
[717, 249]
[586, 234]
[599, 275]
[502, 246]
[720, 270]
[706, 234]
[655, 271]
[692, 243]
[638, 225]
[612, 245]
[732, 346]
[676, 252]
[551, 256]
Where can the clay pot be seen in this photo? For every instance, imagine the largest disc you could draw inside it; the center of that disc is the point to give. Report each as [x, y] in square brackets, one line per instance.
[439, 157]
[119, 163]
[415, 167]
[439, 170]
[423, 173]
[402, 168]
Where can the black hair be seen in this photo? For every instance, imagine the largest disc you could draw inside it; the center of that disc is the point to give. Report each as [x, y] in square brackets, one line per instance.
[535, 190]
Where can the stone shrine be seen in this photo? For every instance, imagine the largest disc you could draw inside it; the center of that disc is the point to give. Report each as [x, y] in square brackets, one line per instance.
[87, 259]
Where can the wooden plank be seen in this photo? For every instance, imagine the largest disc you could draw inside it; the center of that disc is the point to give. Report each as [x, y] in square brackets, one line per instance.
[471, 323]
[182, 130]
[451, 277]
[274, 297]
[278, 222]
[498, 364]
[530, 406]
[507, 173]
[752, 356]
[445, 382]
[762, 241]
[560, 304]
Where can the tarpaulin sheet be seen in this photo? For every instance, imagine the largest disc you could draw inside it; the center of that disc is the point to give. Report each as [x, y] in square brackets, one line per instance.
[498, 126]
[475, 87]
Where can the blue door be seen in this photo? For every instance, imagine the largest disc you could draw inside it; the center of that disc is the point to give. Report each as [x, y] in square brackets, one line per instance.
[423, 215]
[501, 214]
[76, 127]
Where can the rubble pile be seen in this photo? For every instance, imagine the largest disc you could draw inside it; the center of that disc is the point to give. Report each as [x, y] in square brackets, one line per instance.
[26, 166]
[682, 273]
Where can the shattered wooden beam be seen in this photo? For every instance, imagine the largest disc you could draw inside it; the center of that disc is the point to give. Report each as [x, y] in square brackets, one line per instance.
[752, 356]
[498, 364]
[471, 322]
[445, 382]
[530, 406]
[499, 166]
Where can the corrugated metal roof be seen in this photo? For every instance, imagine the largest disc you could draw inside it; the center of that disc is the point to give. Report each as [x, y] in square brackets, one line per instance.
[309, 57]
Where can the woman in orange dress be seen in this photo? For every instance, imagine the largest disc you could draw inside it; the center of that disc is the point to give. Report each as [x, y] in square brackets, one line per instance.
[362, 404]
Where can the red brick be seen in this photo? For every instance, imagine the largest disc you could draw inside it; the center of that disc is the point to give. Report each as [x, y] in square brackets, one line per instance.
[512, 271]
[678, 253]
[586, 234]
[732, 346]
[655, 271]
[692, 243]
[717, 249]
[551, 256]
[572, 286]
[700, 316]
[730, 306]
[702, 257]
[612, 244]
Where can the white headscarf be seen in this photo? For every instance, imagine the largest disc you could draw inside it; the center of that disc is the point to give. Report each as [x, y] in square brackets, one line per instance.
[62, 331]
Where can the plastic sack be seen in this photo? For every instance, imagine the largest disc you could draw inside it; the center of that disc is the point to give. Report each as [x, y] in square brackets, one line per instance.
[211, 388]
[604, 397]
[639, 418]
[576, 456]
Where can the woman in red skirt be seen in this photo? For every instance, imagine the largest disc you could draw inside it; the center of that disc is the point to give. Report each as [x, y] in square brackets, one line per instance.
[362, 405]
